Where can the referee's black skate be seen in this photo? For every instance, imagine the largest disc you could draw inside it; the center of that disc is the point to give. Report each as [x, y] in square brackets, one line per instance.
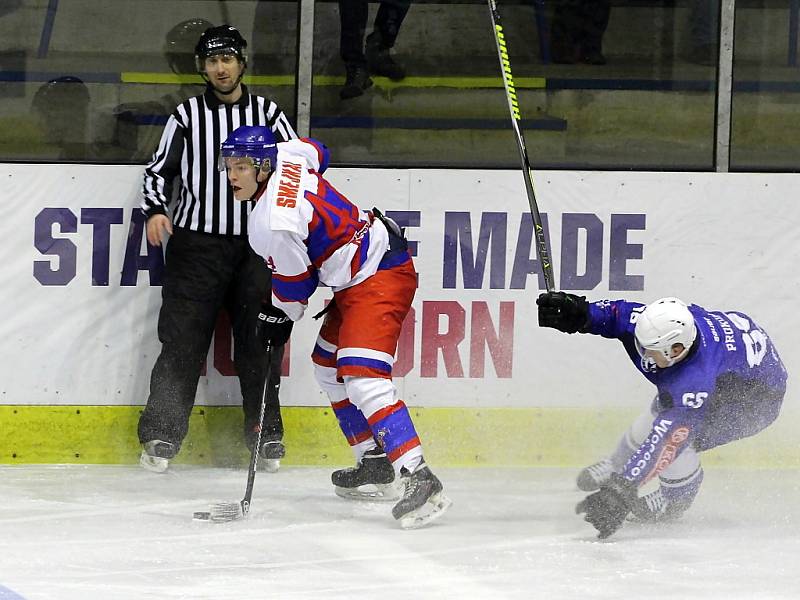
[371, 479]
[423, 500]
[156, 455]
[271, 452]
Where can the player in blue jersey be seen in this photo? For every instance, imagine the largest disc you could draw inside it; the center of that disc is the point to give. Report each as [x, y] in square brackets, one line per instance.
[309, 233]
[718, 378]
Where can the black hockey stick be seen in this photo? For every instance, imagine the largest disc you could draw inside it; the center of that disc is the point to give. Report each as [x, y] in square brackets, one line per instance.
[513, 106]
[225, 512]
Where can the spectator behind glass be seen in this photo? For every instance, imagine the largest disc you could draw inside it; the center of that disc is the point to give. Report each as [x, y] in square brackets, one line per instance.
[376, 60]
[577, 32]
[62, 107]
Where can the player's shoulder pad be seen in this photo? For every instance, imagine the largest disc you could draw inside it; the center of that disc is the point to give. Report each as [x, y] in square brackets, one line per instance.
[315, 153]
[286, 192]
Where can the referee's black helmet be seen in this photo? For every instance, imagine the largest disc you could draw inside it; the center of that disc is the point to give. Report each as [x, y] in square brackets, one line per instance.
[224, 39]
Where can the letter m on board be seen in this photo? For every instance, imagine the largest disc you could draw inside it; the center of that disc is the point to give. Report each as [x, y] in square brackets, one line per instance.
[460, 244]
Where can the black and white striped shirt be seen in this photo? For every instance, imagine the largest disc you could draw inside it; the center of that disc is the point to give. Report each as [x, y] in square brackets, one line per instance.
[189, 148]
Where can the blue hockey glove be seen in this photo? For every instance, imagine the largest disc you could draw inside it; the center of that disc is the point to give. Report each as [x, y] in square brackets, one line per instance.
[607, 508]
[273, 327]
[566, 312]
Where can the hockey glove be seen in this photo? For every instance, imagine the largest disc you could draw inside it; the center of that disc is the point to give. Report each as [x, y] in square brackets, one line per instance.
[607, 508]
[566, 312]
[273, 327]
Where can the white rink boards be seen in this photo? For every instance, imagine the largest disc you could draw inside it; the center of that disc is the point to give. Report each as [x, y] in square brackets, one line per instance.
[78, 277]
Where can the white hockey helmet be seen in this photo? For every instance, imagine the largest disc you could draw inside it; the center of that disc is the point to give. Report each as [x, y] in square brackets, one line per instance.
[663, 324]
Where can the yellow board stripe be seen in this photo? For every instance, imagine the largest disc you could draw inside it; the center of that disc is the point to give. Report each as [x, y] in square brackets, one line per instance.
[547, 437]
[335, 80]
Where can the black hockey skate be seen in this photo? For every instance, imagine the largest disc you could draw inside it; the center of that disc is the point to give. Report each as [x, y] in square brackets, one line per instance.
[594, 476]
[271, 452]
[156, 455]
[422, 501]
[370, 479]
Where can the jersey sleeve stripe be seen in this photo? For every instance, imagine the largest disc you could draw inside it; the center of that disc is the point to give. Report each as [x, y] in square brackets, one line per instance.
[295, 288]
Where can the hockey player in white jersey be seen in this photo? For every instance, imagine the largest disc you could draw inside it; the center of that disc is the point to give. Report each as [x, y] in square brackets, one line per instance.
[311, 234]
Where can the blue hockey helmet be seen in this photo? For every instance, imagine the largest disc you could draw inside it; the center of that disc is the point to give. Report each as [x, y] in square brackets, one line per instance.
[255, 142]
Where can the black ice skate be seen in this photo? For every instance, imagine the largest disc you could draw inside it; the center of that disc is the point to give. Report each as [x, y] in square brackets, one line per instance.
[271, 452]
[593, 476]
[156, 455]
[422, 501]
[370, 479]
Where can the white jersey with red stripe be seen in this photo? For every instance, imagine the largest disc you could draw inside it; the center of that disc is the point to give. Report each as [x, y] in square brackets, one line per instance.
[308, 232]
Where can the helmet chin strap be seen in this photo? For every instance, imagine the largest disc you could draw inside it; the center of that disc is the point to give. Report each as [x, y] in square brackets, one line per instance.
[259, 189]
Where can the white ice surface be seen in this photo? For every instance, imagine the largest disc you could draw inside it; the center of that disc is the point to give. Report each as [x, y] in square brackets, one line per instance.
[119, 533]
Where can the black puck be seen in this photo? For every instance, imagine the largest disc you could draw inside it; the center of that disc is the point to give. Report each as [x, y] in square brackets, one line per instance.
[202, 516]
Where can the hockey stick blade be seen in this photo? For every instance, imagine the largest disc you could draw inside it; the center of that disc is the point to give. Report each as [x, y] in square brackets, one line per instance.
[225, 512]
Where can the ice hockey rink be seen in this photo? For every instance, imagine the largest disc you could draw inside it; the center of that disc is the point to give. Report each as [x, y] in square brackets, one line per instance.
[120, 533]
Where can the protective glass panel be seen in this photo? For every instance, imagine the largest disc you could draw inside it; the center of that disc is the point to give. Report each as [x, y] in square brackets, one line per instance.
[628, 85]
[96, 81]
[765, 122]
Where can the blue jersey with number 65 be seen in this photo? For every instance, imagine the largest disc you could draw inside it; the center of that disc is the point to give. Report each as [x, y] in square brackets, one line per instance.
[729, 386]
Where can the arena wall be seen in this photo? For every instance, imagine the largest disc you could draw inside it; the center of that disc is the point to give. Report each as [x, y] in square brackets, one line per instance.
[81, 293]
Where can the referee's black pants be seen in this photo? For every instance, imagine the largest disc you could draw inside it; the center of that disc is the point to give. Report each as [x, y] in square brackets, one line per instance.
[203, 273]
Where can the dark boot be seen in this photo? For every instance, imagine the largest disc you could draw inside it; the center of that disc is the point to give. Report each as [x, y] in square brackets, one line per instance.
[374, 471]
[156, 455]
[379, 60]
[272, 451]
[422, 501]
[357, 81]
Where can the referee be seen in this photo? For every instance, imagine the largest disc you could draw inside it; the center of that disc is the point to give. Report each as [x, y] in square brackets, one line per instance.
[209, 262]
